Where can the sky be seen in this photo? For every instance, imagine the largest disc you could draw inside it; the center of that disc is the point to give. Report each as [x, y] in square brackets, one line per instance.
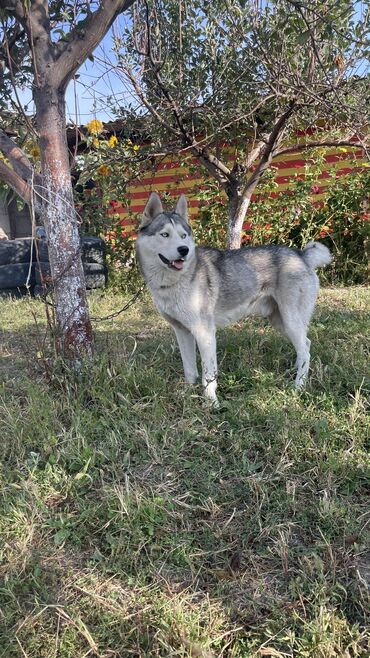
[95, 81]
[83, 101]
[86, 95]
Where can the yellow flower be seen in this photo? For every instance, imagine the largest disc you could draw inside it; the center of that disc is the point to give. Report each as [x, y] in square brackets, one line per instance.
[135, 148]
[95, 127]
[366, 164]
[33, 149]
[35, 152]
[113, 141]
[96, 143]
[103, 170]
[342, 149]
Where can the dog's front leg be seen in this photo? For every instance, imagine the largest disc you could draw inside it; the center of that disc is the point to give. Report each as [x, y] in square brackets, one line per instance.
[186, 343]
[205, 335]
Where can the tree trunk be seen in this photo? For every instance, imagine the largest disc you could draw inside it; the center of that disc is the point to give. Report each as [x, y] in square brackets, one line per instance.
[74, 332]
[238, 207]
[239, 196]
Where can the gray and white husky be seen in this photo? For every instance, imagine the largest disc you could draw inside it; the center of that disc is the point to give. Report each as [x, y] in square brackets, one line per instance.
[197, 289]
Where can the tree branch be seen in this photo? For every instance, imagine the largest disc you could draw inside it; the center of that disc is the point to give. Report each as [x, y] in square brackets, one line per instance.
[18, 159]
[15, 8]
[269, 150]
[148, 105]
[220, 171]
[217, 168]
[83, 40]
[309, 145]
[20, 187]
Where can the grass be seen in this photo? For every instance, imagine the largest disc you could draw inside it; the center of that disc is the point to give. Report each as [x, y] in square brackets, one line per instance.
[136, 522]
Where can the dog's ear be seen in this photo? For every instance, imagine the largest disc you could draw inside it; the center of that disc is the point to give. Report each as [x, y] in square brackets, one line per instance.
[182, 208]
[152, 209]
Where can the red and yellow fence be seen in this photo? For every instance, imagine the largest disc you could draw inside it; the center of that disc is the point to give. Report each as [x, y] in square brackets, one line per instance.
[176, 176]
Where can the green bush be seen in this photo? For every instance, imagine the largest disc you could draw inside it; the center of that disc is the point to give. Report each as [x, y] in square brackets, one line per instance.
[341, 222]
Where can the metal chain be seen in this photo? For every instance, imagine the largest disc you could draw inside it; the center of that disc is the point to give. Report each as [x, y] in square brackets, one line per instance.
[124, 308]
[106, 317]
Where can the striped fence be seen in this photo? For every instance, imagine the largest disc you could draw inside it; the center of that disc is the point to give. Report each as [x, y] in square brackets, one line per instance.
[175, 175]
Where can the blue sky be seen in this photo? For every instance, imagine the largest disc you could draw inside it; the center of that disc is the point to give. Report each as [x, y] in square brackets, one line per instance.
[86, 96]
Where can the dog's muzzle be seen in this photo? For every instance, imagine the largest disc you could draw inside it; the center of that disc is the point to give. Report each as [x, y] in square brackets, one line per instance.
[173, 264]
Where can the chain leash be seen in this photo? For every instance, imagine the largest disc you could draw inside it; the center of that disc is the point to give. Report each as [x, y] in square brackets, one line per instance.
[128, 304]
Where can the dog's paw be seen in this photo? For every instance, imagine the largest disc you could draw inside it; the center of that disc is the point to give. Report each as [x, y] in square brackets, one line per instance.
[212, 403]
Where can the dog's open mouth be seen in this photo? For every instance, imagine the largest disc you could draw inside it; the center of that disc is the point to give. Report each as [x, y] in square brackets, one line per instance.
[174, 264]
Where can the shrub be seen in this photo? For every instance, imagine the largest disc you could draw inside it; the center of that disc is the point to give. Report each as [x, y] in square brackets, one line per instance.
[106, 168]
[340, 222]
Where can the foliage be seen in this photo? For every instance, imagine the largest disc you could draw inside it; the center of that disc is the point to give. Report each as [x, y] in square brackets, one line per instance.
[294, 217]
[246, 74]
[104, 170]
[341, 221]
[135, 522]
[213, 66]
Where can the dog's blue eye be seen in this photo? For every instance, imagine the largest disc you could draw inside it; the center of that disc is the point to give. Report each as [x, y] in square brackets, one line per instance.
[164, 235]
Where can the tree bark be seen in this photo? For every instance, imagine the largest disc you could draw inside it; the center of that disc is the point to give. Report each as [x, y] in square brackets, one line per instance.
[237, 213]
[74, 332]
[20, 187]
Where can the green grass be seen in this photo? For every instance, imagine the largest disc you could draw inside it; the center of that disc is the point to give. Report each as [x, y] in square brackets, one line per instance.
[135, 521]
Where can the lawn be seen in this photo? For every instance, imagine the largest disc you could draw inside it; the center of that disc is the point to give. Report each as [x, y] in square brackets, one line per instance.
[136, 522]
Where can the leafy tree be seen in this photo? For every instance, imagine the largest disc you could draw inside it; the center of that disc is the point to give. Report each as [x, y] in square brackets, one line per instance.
[43, 44]
[247, 74]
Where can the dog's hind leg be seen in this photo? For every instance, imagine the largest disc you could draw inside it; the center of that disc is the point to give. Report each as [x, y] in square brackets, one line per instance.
[187, 346]
[277, 322]
[296, 331]
[276, 319]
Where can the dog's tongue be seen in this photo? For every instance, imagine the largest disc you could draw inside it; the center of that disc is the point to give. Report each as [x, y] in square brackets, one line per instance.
[177, 264]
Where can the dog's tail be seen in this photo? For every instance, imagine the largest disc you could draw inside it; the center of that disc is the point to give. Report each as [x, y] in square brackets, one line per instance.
[316, 254]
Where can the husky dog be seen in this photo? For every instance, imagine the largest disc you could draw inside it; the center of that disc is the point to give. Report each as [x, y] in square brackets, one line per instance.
[197, 289]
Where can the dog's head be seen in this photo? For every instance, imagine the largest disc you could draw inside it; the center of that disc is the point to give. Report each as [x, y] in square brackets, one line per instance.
[166, 236]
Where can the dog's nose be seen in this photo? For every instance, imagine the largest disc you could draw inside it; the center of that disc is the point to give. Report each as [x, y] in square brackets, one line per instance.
[183, 251]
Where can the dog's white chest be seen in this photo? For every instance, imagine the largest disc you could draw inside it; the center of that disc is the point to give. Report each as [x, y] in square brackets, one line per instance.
[182, 304]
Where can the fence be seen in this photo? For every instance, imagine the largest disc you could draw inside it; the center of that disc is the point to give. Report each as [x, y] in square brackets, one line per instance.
[174, 176]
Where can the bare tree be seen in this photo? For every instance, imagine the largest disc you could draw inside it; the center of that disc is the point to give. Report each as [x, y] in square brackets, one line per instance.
[248, 74]
[34, 35]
